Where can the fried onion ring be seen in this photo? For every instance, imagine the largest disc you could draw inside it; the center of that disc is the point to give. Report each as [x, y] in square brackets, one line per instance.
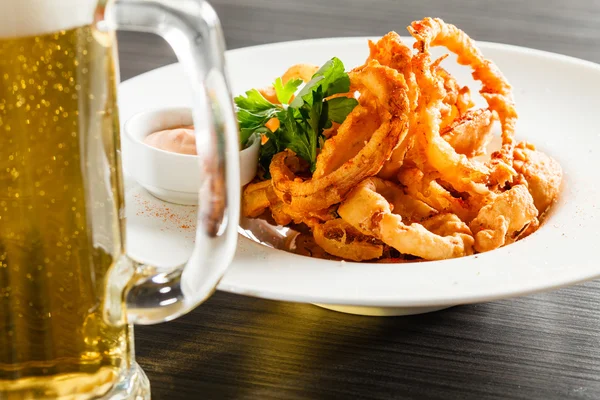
[457, 100]
[500, 222]
[389, 88]
[340, 239]
[255, 199]
[351, 136]
[470, 133]
[284, 214]
[463, 174]
[457, 97]
[495, 88]
[435, 195]
[392, 52]
[370, 212]
[542, 173]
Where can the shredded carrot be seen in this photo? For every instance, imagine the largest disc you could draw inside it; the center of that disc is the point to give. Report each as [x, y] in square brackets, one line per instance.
[272, 124]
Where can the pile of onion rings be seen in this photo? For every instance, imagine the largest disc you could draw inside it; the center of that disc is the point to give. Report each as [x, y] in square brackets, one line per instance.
[402, 177]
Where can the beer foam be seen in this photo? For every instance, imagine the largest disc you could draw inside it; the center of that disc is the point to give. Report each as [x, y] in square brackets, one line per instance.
[20, 18]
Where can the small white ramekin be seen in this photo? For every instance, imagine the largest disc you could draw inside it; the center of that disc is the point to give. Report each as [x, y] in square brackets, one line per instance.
[171, 176]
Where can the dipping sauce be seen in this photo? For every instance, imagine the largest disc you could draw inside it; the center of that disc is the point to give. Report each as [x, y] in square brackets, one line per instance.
[176, 140]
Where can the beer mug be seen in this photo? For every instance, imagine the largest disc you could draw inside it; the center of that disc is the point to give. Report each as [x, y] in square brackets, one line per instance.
[68, 293]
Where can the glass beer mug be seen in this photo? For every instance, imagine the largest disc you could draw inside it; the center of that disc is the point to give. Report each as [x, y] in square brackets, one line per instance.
[68, 292]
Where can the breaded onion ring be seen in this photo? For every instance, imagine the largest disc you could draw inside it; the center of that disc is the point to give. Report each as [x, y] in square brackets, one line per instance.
[470, 133]
[283, 214]
[457, 100]
[340, 239]
[463, 174]
[389, 88]
[351, 137]
[542, 173]
[435, 195]
[369, 211]
[500, 222]
[255, 199]
[392, 52]
[495, 88]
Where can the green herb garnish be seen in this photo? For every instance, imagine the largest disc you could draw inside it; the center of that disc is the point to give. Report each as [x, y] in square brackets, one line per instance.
[301, 121]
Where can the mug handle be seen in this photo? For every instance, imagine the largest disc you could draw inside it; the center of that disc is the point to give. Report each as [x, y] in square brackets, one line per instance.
[193, 30]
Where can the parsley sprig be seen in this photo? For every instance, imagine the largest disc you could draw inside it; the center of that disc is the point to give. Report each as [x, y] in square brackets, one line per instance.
[301, 121]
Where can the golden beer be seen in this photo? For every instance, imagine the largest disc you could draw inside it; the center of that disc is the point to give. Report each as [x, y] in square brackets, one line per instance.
[68, 293]
[59, 210]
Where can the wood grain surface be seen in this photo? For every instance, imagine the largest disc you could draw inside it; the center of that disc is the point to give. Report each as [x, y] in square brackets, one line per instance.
[545, 346]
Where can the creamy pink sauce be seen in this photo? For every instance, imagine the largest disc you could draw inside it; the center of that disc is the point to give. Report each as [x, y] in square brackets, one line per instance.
[177, 140]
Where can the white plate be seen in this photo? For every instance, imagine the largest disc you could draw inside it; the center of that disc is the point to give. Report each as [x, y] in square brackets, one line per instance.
[557, 98]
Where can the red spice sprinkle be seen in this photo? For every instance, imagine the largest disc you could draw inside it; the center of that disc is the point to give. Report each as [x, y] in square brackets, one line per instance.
[182, 218]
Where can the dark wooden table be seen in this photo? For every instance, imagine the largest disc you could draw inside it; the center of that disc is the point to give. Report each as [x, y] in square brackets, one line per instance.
[545, 346]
